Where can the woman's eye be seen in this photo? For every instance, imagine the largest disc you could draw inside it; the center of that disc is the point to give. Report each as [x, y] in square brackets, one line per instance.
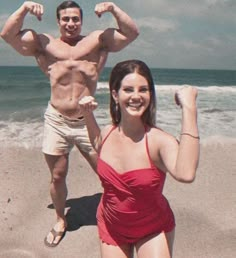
[128, 90]
[144, 90]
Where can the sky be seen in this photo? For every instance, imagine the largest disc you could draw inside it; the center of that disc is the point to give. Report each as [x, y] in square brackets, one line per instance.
[196, 34]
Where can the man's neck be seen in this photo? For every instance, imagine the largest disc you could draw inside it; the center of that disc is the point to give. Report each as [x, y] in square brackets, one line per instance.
[71, 41]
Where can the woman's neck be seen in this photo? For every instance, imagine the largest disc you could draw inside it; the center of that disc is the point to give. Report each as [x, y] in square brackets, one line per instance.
[134, 130]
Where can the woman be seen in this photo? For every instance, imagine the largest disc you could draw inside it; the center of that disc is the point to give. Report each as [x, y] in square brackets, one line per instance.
[134, 157]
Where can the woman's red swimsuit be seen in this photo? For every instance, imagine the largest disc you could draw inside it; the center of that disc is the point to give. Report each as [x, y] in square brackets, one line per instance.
[132, 206]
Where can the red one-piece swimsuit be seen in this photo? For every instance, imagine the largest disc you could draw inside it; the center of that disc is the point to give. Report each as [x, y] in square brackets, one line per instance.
[132, 205]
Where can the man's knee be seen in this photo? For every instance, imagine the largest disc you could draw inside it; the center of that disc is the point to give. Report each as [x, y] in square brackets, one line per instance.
[59, 175]
[58, 166]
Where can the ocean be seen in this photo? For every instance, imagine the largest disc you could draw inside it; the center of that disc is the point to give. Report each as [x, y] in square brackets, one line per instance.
[25, 92]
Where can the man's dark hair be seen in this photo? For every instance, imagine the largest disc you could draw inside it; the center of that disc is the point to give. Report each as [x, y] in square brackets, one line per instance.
[69, 4]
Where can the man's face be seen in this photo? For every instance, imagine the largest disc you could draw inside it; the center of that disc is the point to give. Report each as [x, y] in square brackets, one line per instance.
[70, 23]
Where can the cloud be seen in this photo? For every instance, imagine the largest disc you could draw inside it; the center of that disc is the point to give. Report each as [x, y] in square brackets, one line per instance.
[215, 9]
[173, 33]
[219, 2]
[157, 24]
[3, 18]
[163, 8]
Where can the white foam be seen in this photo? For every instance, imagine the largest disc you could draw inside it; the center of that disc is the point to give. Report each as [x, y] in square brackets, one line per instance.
[163, 87]
[21, 134]
[102, 85]
[217, 89]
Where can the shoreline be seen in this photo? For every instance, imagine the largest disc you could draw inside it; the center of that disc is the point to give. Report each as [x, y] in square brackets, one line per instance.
[204, 210]
[34, 144]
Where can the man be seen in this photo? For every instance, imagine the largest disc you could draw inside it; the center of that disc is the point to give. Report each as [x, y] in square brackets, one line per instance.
[72, 63]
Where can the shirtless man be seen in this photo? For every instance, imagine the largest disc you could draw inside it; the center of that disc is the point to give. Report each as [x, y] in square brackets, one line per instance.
[72, 63]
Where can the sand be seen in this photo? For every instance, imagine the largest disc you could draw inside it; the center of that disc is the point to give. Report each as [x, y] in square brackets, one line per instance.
[205, 210]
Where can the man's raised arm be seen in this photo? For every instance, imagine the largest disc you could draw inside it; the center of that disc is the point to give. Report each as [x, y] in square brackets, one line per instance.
[116, 39]
[24, 41]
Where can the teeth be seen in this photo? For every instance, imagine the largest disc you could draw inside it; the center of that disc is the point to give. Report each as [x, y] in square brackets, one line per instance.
[135, 104]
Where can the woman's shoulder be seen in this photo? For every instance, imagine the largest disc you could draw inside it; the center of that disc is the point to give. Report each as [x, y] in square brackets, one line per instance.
[154, 130]
[156, 133]
[106, 130]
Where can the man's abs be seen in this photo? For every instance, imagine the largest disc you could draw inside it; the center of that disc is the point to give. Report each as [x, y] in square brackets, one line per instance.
[70, 81]
[73, 71]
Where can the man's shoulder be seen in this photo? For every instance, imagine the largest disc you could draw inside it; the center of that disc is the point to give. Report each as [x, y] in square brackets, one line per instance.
[95, 33]
[95, 38]
[43, 36]
[46, 39]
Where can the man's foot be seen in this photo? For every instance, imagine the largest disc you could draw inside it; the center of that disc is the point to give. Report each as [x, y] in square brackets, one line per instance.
[55, 236]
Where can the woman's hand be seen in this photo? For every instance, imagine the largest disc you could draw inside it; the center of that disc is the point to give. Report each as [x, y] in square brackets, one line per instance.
[87, 104]
[186, 97]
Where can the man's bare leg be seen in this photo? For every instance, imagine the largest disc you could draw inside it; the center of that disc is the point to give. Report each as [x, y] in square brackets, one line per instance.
[58, 166]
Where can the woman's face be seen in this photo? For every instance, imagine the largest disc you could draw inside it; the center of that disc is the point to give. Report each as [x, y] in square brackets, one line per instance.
[133, 96]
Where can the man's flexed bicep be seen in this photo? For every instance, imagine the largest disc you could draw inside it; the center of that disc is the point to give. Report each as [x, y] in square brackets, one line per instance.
[115, 39]
[26, 42]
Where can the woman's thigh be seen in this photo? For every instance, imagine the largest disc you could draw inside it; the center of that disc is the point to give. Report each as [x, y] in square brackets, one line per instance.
[156, 246]
[111, 251]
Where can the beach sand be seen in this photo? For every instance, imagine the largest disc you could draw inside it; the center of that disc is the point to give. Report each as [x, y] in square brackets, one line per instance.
[204, 210]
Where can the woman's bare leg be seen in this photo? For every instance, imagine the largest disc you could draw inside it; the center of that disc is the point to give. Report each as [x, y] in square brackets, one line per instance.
[156, 246]
[111, 251]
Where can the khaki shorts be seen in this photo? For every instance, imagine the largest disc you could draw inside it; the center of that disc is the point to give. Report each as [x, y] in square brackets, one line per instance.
[61, 134]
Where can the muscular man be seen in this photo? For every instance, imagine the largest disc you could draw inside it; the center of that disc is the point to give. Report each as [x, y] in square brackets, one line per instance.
[72, 63]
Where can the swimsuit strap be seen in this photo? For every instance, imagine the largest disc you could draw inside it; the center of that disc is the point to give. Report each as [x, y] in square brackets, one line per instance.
[147, 149]
[146, 144]
[103, 141]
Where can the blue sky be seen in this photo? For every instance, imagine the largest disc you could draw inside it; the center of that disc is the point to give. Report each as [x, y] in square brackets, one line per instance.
[173, 33]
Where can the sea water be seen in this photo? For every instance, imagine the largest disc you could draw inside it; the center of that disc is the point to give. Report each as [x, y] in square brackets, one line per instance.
[25, 92]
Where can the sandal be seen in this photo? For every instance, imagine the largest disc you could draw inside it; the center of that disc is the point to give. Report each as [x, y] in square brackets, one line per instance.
[55, 235]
